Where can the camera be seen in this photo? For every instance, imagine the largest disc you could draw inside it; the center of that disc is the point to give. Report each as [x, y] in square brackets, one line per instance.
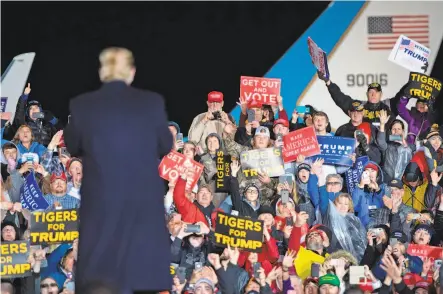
[217, 115]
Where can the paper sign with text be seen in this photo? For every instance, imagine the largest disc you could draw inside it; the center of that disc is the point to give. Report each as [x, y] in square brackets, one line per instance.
[336, 150]
[423, 251]
[302, 141]
[14, 259]
[53, 227]
[422, 86]
[31, 196]
[173, 164]
[318, 57]
[353, 174]
[240, 232]
[223, 175]
[409, 54]
[268, 160]
[263, 90]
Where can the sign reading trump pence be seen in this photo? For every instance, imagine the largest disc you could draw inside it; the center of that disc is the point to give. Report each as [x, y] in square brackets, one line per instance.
[263, 90]
[300, 142]
[53, 227]
[240, 232]
[267, 161]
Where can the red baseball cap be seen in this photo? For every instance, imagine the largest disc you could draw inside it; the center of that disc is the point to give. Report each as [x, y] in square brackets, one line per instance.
[61, 176]
[215, 96]
[281, 121]
[372, 166]
[255, 104]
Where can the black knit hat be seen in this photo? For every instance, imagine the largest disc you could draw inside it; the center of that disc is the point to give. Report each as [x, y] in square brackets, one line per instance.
[265, 209]
[17, 232]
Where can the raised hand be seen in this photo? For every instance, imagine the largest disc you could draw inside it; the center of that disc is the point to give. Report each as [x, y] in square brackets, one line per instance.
[235, 167]
[214, 260]
[27, 89]
[288, 260]
[435, 177]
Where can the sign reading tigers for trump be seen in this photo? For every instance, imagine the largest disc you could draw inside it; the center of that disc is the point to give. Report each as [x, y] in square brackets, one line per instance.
[422, 86]
[54, 227]
[240, 232]
[267, 161]
[223, 172]
[173, 164]
[263, 90]
[14, 256]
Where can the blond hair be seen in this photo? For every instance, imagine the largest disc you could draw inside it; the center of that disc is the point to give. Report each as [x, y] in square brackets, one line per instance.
[347, 196]
[16, 138]
[116, 64]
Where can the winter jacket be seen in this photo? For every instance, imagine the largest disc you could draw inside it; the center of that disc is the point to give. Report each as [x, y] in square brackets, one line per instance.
[267, 191]
[319, 196]
[347, 130]
[183, 254]
[418, 123]
[304, 201]
[232, 280]
[240, 203]
[371, 110]
[42, 129]
[190, 212]
[200, 130]
[367, 201]
[395, 157]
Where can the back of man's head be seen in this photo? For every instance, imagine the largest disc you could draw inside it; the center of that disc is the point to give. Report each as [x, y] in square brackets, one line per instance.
[116, 64]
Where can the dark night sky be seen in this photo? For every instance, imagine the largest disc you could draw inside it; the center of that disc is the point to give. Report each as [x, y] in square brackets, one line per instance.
[183, 50]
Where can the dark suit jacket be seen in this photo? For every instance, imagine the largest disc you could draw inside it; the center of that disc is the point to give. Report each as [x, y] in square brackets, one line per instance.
[121, 132]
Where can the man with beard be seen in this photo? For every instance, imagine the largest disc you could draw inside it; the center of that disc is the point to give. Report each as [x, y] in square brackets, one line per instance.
[315, 251]
[58, 199]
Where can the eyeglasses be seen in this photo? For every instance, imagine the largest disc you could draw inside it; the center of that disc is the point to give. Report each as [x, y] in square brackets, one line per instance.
[252, 191]
[48, 285]
[333, 183]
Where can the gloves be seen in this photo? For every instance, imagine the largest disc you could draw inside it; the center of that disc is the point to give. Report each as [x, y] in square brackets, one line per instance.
[363, 142]
[321, 76]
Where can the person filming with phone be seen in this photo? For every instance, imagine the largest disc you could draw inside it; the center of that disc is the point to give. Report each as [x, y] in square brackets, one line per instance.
[42, 123]
[212, 121]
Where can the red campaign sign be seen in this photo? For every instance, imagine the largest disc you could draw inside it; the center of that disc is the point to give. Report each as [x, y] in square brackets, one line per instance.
[174, 163]
[303, 141]
[264, 90]
[423, 251]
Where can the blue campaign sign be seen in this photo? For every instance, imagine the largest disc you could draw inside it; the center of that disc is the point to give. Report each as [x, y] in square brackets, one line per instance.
[31, 196]
[3, 102]
[336, 150]
[353, 174]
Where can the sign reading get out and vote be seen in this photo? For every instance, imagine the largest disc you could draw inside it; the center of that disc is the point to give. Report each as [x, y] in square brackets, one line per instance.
[173, 164]
[223, 172]
[422, 86]
[14, 256]
[240, 232]
[268, 161]
[263, 90]
[60, 226]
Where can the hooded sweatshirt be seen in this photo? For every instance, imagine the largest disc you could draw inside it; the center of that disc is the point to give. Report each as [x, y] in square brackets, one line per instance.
[15, 177]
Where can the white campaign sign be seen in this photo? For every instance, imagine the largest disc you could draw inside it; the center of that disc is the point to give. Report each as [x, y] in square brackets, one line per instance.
[353, 66]
[409, 54]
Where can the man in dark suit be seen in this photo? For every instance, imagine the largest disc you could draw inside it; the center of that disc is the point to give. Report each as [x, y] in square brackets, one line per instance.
[120, 133]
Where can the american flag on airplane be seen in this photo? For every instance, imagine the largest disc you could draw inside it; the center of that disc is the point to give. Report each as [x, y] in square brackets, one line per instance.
[383, 31]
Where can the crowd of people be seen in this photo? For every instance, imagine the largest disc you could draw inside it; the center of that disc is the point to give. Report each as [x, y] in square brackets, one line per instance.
[315, 242]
